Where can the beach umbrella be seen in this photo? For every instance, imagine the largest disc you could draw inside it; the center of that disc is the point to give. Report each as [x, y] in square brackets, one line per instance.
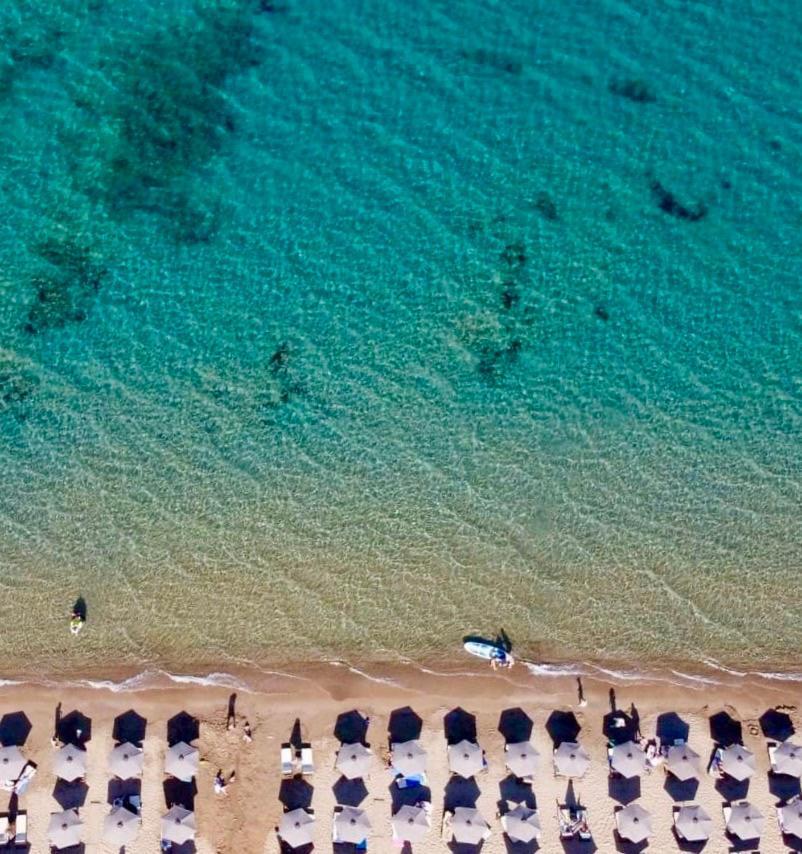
[351, 825]
[409, 758]
[410, 824]
[521, 824]
[465, 759]
[181, 761]
[64, 829]
[521, 758]
[627, 759]
[693, 824]
[120, 827]
[468, 827]
[126, 761]
[737, 762]
[791, 818]
[70, 763]
[683, 762]
[787, 760]
[354, 760]
[297, 828]
[571, 759]
[11, 763]
[634, 823]
[178, 825]
[745, 821]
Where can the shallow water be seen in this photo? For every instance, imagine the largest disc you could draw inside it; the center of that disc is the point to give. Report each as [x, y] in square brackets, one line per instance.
[346, 328]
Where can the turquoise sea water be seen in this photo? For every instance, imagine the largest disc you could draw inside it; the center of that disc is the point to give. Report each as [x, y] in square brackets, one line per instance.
[345, 328]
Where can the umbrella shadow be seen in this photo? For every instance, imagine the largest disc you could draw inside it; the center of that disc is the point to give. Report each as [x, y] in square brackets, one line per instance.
[671, 728]
[562, 726]
[680, 790]
[459, 725]
[123, 790]
[288, 849]
[295, 793]
[624, 846]
[736, 844]
[404, 725]
[623, 790]
[187, 848]
[129, 727]
[182, 727]
[180, 793]
[731, 789]
[690, 847]
[80, 848]
[512, 789]
[791, 842]
[784, 787]
[460, 793]
[515, 725]
[410, 796]
[296, 740]
[74, 728]
[350, 793]
[618, 727]
[776, 725]
[465, 847]
[14, 729]
[725, 730]
[513, 846]
[70, 795]
[575, 845]
[351, 728]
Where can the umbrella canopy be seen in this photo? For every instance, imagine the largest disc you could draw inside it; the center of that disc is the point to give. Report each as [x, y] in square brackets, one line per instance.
[683, 762]
[787, 759]
[354, 760]
[178, 825]
[351, 825]
[521, 758]
[297, 828]
[693, 824]
[182, 761]
[745, 821]
[791, 818]
[64, 829]
[410, 824]
[126, 761]
[738, 762]
[571, 759]
[409, 758]
[521, 824]
[468, 826]
[120, 827]
[70, 763]
[628, 759]
[11, 762]
[634, 823]
[465, 759]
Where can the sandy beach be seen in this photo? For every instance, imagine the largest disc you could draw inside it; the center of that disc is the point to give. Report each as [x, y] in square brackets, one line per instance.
[244, 820]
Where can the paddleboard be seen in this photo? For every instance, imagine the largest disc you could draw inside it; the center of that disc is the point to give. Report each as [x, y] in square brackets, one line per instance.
[488, 651]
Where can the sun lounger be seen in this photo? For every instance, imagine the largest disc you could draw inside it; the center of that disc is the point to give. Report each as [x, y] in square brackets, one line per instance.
[21, 829]
[772, 749]
[307, 763]
[413, 780]
[4, 825]
[287, 761]
[573, 822]
[25, 778]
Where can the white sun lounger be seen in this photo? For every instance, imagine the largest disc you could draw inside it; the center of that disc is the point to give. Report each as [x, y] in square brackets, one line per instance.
[307, 763]
[287, 761]
[21, 828]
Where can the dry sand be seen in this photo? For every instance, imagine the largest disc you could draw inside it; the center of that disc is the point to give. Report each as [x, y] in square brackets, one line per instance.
[245, 819]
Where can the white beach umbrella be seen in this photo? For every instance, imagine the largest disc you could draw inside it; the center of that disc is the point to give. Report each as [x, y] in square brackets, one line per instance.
[121, 827]
[297, 828]
[468, 827]
[745, 821]
[738, 762]
[683, 762]
[11, 763]
[351, 825]
[70, 763]
[628, 759]
[126, 761]
[178, 825]
[410, 824]
[693, 824]
[790, 816]
[787, 760]
[571, 760]
[521, 758]
[354, 760]
[521, 824]
[409, 758]
[181, 761]
[64, 829]
[465, 759]
[634, 823]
